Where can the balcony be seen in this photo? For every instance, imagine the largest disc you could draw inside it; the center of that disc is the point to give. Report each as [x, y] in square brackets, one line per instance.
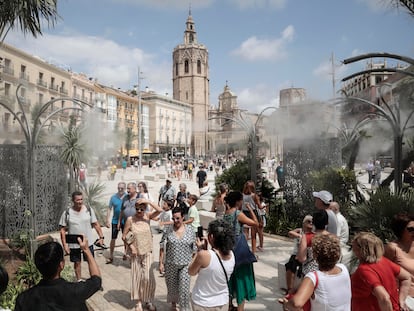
[85, 99]
[63, 91]
[76, 96]
[24, 76]
[54, 87]
[8, 70]
[41, 83]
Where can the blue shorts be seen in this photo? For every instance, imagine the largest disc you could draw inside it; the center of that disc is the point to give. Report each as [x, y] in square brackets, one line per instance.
[75, 254]
[114, 231]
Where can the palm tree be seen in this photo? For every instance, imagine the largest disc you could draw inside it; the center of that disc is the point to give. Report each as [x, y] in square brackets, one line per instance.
[28, 15]
[73, 154]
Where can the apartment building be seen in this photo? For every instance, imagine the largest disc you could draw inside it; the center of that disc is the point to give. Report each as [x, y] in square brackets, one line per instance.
[33, 82]
[169, 124]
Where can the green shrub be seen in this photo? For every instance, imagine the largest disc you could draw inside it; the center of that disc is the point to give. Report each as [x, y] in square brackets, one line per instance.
[376, 214]
[8, 298]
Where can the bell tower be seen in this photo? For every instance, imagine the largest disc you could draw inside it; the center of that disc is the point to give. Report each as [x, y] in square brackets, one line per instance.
[191, 83]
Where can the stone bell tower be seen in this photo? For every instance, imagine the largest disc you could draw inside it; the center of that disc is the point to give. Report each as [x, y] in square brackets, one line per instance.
[191, 83]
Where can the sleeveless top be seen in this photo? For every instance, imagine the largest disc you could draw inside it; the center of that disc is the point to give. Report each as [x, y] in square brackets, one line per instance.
[248, 198]
[143, 236]
[232, 218]
[220, 207]
[210, 288]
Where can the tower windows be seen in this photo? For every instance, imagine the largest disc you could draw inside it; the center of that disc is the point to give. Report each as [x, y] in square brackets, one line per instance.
[176, 69]
[191, 38]
[186, 69]
[199, 66]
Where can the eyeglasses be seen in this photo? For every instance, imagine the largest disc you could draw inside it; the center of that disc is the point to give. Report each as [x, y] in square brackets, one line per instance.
[410, 229]
[121, 188]
[140, 209]
[140, 186]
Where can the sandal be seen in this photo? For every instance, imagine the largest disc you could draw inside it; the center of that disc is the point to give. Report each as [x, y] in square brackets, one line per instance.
[124, 257]
[109, 260]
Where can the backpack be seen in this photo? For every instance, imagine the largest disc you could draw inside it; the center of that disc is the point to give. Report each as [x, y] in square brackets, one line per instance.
[88, 209]
[82, 175]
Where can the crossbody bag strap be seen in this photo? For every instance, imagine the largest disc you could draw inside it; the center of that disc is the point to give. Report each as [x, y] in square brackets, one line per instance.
[225, 273]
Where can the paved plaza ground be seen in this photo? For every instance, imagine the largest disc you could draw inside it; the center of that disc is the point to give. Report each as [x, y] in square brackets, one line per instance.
[116, 276]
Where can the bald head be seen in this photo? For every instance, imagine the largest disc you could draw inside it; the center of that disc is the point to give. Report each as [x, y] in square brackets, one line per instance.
[334, 206]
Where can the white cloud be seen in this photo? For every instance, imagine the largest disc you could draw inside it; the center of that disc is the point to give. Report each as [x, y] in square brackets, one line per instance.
[254, 49]
[168, 4]
[325, 70]
[111, 63]
[375, 5]
[257, 98]
[249, 4]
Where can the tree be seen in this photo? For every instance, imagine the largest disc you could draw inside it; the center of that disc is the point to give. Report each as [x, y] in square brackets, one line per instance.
[73, 154]
[407, 4]
[28, 15]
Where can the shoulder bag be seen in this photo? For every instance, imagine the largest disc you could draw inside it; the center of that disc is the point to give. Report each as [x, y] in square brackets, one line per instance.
[241, 250]
[231, 307]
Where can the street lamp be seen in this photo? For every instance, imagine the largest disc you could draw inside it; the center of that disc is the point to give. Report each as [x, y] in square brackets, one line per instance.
[139, 121]
[251, 130]
[393, 117]
[31, 134]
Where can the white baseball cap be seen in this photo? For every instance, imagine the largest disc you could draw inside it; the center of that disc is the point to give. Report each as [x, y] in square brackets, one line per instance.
[324, 195]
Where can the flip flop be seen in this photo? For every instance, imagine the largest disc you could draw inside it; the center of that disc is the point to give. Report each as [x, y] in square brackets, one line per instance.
[109, 260]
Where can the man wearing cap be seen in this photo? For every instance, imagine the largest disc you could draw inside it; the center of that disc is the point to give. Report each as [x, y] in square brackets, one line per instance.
[167, 192]
[322, 201]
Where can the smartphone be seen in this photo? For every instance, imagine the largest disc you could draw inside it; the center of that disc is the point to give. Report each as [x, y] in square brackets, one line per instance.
[200, 232]
[73, 238]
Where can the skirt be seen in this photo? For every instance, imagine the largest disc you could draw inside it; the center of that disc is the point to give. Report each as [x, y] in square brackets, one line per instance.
[242, 283]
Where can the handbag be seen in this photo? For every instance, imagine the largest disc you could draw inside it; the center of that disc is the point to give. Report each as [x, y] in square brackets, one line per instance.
[231, 307]
[241, 250]
[130, 238]
[307, 306]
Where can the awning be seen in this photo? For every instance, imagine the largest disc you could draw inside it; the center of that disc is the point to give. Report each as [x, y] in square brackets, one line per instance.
[135, 152]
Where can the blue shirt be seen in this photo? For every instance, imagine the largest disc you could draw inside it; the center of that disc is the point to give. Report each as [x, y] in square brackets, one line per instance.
[116, 203]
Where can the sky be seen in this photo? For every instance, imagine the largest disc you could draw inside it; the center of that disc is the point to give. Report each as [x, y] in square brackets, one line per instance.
[257, 47]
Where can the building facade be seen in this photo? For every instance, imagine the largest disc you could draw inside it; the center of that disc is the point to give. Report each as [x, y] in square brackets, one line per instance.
[34, 82]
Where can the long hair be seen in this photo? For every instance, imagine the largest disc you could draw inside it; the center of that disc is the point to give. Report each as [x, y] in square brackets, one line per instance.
[144, 186]
[249, 187]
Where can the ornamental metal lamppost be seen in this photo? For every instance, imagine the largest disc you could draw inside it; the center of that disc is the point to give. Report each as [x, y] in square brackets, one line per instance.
[252, 131]
[31, 133]
[391, 114]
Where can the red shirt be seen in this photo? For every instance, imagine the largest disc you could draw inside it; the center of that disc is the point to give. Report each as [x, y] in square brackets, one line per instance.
[367, 277]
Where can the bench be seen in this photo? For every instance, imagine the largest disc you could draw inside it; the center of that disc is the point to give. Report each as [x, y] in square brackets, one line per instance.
[203, 205]
[206, 217]
[151, 178]
[160, 175]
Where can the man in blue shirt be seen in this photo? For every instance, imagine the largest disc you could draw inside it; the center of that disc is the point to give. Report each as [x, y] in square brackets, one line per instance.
[115, 204]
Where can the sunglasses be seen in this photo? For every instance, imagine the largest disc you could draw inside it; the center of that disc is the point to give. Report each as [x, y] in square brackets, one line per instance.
[410, 229]
[140, 209]
[309, 222]
[177, 218]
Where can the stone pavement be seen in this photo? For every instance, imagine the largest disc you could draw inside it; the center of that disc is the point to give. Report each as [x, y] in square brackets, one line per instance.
[116, 276]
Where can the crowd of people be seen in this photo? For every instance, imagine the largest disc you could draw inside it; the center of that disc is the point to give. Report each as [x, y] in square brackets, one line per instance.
[318, 273]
